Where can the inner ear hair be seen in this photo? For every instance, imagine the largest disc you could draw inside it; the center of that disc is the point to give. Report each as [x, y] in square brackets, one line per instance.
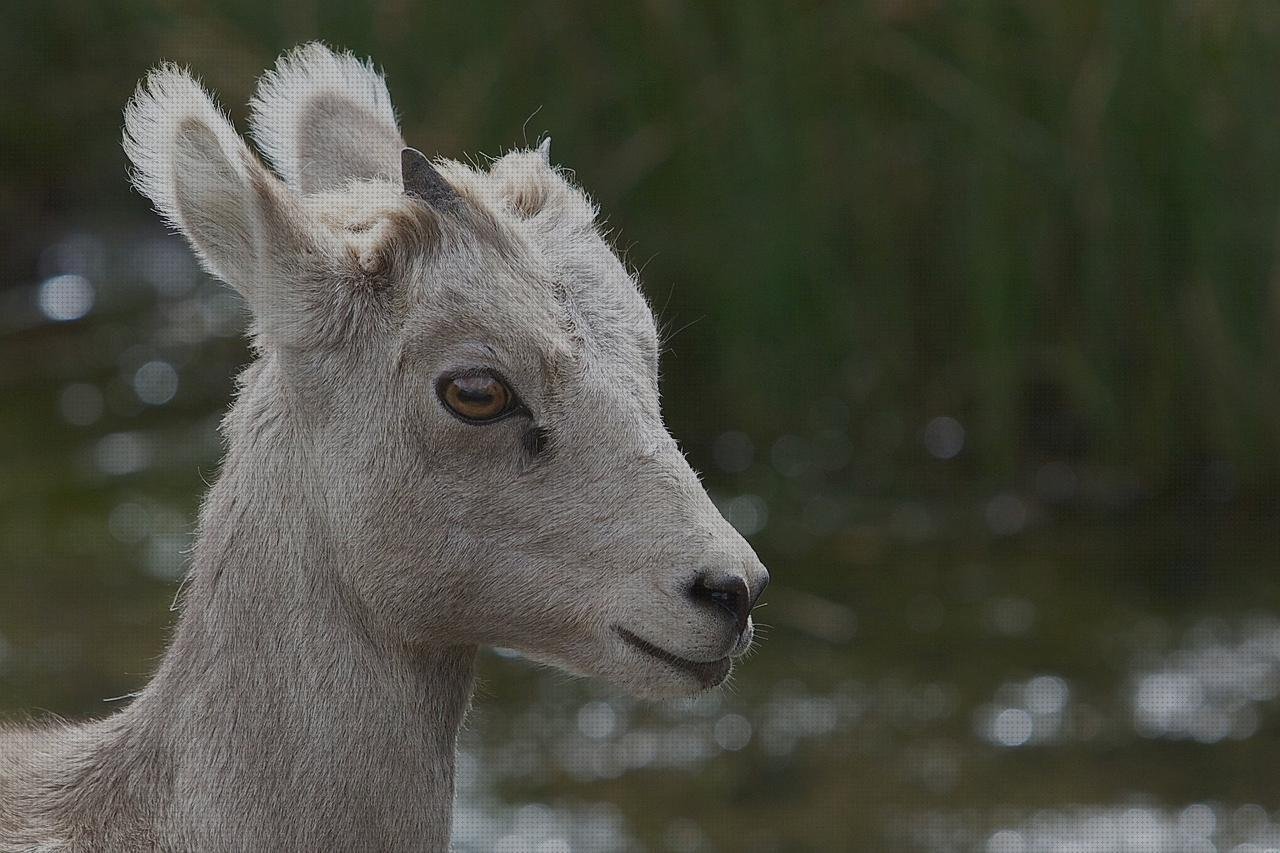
[324, 118]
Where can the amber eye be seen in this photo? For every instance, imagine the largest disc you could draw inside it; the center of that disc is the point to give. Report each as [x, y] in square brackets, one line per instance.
[475, 397]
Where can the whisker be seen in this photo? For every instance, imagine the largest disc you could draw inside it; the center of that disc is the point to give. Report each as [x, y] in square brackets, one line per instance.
[524, 128]
[667, 337]
[132, 695]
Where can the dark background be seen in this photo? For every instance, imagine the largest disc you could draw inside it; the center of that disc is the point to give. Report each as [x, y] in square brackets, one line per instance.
[973, 316]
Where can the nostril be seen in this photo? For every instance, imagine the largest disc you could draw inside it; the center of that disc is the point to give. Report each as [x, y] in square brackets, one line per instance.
[725, 591]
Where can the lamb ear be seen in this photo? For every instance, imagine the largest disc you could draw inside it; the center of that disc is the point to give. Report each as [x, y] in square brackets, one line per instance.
[242, 223]
[422, 180]
[324, 118]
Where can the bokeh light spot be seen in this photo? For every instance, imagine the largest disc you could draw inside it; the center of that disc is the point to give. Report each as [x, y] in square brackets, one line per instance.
[1011, 727]
[155, 383]
[65, 297]
[944, 437]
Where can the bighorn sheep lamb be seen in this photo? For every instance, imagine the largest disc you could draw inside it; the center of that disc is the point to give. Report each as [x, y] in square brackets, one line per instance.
[450, 437]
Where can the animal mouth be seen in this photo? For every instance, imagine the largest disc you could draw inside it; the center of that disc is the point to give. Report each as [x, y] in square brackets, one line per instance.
[708, 673]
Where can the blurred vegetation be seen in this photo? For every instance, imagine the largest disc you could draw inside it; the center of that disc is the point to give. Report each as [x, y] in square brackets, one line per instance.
[1055, 222]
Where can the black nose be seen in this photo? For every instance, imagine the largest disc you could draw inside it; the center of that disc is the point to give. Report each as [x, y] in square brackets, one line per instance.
[725, 591]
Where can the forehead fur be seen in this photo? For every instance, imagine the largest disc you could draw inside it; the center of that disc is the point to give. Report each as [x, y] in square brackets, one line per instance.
[520, 198]
[540, 226]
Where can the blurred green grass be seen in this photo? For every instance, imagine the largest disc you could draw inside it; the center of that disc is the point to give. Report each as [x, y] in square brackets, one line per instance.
[1056, 222]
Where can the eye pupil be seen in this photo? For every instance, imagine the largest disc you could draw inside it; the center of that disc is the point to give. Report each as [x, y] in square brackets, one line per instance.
[476, 398]
[475, 390]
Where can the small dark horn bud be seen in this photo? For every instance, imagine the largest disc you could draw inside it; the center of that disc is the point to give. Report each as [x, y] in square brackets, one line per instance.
[422, 181]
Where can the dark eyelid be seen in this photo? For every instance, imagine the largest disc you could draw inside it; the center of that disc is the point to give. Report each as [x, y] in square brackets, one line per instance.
[464, 372]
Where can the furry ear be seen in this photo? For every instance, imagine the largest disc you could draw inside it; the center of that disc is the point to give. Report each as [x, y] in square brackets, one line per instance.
[528, 185]
[243, 224]
[324, 118]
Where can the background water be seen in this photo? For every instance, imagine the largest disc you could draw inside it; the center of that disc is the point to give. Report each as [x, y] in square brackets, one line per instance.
[974, 334]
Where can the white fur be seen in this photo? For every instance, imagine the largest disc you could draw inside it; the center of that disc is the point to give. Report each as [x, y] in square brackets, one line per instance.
[168, 100]
[243, 224]
[283, 108]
